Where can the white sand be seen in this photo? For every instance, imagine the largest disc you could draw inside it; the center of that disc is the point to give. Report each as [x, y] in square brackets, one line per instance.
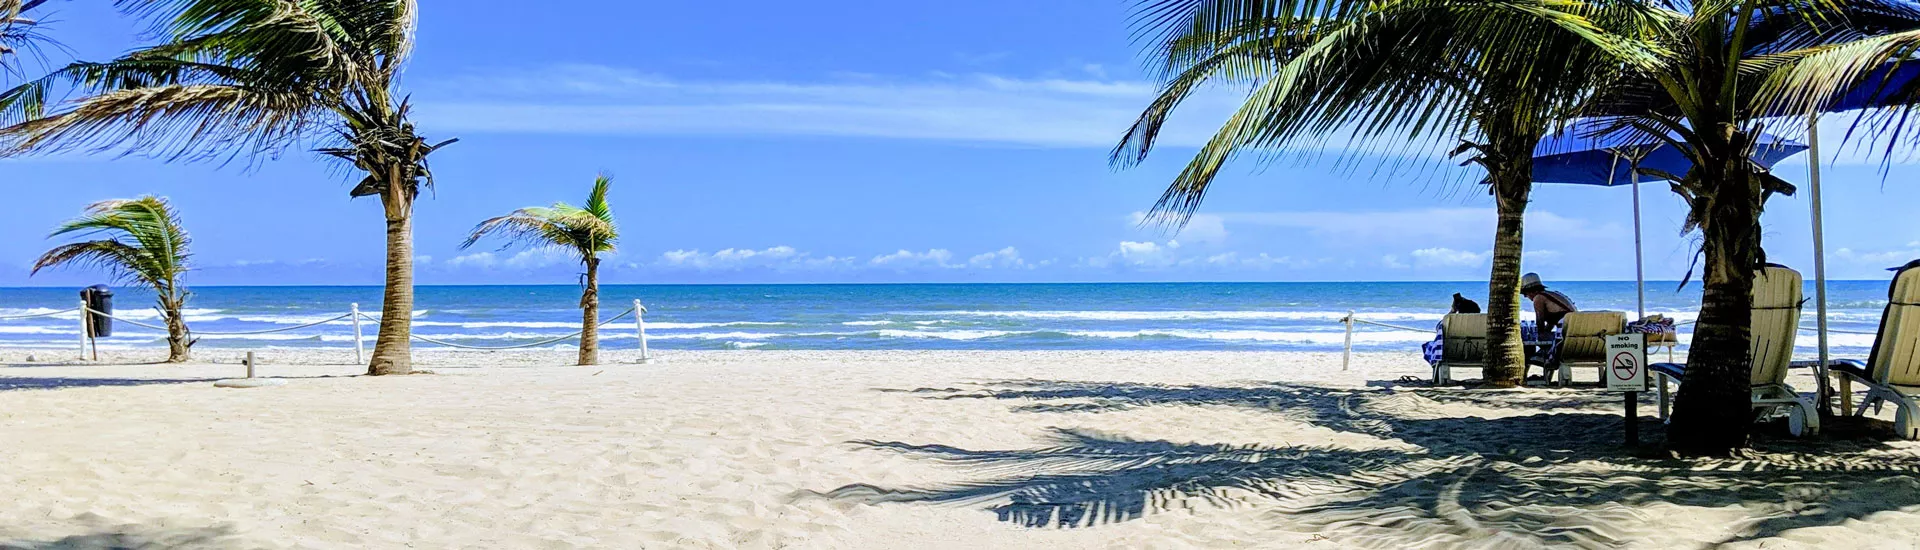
[768, 449]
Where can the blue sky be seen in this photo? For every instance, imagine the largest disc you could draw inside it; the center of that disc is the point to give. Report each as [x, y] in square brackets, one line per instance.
[863, 141]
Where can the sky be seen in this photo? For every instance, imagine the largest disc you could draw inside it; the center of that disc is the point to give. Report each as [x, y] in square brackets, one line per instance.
[869, 141]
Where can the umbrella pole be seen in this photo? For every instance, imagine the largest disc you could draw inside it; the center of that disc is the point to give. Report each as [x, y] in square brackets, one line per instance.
[1819, 256]
[1639, 270]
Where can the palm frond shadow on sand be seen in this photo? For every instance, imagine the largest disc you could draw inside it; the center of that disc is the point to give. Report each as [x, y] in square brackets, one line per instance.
[1512, 481]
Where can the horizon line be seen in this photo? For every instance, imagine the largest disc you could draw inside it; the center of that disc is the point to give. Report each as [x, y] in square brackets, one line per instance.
[953, 283]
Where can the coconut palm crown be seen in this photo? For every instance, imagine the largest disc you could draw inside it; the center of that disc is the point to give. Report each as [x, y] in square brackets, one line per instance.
[585, 231]
[145, 244]
[1496, 74]
[250, 78]
[1726, 71]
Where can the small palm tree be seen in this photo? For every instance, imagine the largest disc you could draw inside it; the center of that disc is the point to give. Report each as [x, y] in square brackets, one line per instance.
[146, 245]
[251, 78]
[585, 231]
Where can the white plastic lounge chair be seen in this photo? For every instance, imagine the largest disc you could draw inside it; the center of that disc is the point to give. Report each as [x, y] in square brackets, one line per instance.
[1584, 342]
[1776, 320]
[1463, 344]
[1892, 372]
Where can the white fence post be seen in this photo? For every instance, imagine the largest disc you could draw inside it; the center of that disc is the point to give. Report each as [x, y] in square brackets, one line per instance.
[1347, 358]
[359, 348]
[640, 329]
[85, 327]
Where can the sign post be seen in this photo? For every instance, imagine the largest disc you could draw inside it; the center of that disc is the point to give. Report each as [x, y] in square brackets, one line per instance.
[1627, 371]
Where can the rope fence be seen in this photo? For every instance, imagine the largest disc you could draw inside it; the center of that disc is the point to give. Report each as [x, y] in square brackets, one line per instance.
[30, 316]
[518, 346]
[354, 315]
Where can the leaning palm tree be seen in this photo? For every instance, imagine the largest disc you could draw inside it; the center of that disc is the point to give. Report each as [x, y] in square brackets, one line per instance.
[1723, 71]
[1406, 70]
[250, 78]
[586, 231]
[145, 244]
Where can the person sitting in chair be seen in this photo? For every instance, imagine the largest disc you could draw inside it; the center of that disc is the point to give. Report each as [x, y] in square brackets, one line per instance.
[1549, 307]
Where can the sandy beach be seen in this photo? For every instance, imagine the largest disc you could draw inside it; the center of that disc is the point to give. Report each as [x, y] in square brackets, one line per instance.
[889, 449]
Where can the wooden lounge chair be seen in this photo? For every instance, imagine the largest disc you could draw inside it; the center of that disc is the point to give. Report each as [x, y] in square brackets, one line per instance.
[1777, 298]
[1584, 342]
[1892, 372]
[1463, 344]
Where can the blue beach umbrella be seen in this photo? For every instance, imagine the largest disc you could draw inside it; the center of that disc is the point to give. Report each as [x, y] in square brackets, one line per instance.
[1583, 155]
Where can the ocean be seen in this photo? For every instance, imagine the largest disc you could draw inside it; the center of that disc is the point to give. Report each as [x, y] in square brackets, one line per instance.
[1146, 316]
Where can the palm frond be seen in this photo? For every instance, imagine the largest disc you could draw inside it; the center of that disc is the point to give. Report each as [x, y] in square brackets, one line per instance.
[1408, 71]
[144, 242]
[582, 231]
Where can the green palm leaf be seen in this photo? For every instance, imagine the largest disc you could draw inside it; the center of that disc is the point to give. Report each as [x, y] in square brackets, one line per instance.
[233, 79]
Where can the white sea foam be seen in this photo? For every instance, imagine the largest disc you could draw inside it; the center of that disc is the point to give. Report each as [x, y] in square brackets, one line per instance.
[73, 330]
[498, 324]
[1195, 315]
[948, 334]
[1286, 337]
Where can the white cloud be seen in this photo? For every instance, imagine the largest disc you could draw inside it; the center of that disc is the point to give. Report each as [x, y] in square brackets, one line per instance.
[477, 259]
[777, 257]
[590, 99]
[938, 257]
[532, 258]
[1391, 261]
[236, 264]
[1005, 258]
[1201, 228]
[1442, 226]
[787, 258]
[1261, 261]
[1882, 258]
[1447, 257]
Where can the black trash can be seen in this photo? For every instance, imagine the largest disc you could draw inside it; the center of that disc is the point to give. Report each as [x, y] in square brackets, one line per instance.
[99, 298]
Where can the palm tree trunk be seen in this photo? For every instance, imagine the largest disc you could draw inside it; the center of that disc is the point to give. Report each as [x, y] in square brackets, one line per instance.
[177, 351]
[1512, 180]
[590, 315]
[393, 349]
[1711, 414]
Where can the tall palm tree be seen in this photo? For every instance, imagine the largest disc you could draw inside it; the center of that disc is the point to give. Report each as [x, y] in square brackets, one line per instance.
[1508, 71]
[586, 231]
[144, 244]
[250, 78]
[1723, 70]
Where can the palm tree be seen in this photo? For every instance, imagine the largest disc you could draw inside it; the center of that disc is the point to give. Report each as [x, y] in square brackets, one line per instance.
[585, 231]
[1721, 71]
[250, 78]
[17, 31]
[146, 245]
[1408, 70]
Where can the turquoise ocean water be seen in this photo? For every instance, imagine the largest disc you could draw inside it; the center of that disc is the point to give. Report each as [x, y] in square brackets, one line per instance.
[1173, 316]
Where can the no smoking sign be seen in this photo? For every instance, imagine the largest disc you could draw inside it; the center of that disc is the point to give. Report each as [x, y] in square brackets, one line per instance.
[1627, 370]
